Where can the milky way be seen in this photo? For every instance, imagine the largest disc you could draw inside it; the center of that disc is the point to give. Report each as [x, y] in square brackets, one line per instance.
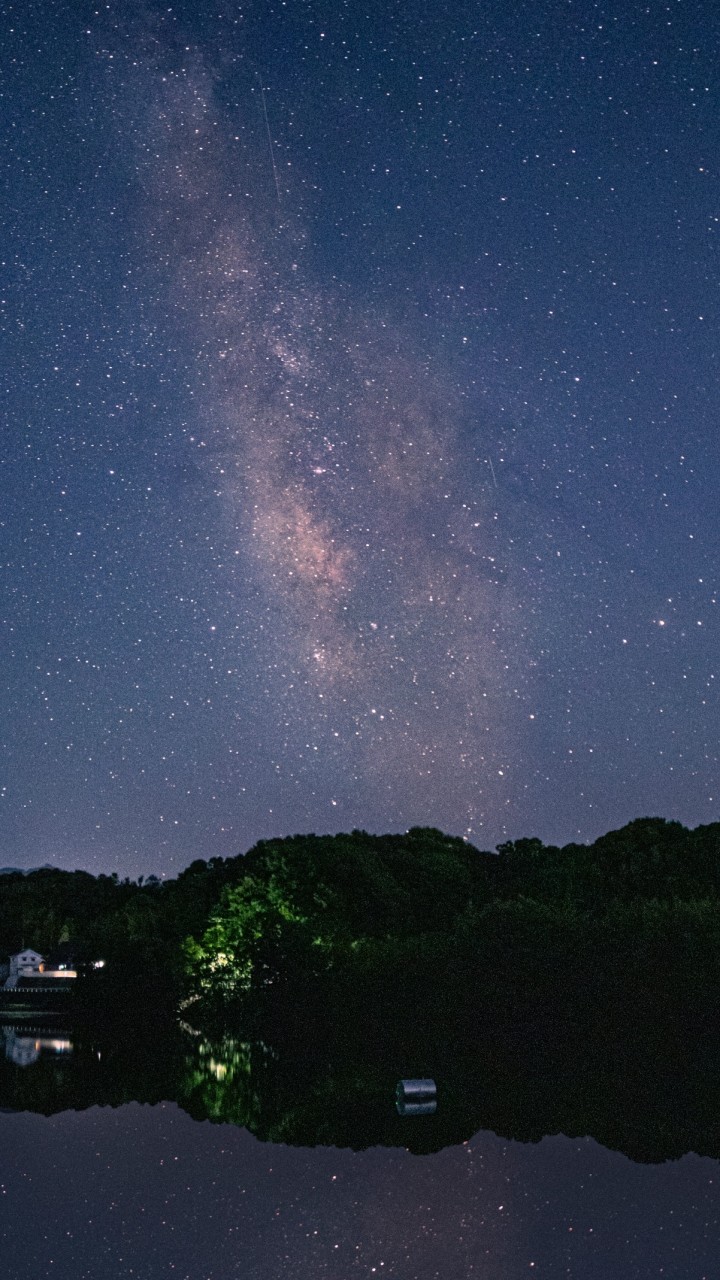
[380, 627]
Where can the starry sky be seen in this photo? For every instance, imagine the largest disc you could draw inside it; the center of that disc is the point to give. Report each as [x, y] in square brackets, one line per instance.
[358, 454]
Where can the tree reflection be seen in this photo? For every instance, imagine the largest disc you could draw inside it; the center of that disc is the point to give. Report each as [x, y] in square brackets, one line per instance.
[336, 1084]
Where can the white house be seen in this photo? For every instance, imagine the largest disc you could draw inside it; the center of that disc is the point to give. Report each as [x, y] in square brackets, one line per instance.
[24, 964]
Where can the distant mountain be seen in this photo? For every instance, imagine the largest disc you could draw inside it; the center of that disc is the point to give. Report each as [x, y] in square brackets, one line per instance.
[25, 871]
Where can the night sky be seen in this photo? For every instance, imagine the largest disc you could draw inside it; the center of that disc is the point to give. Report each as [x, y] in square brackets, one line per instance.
[359, 456]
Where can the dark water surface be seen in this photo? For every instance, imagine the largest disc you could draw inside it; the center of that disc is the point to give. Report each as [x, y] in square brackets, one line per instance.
[209, 1160]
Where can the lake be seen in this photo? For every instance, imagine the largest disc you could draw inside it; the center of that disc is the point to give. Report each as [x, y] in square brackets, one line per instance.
[130, 1160]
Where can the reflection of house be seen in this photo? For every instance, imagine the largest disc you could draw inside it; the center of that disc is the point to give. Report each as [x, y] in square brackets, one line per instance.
[23, 1050]
[20, 1049]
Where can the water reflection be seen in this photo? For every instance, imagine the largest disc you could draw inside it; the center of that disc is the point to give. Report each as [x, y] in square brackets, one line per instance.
[24, 1045]
[299, 1096]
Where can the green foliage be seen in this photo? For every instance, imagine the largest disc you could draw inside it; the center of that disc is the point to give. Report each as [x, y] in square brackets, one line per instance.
[306, 902]
[647, 858]
[627, 921]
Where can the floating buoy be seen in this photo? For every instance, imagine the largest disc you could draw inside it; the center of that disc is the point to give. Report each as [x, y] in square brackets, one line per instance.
[416, 1097]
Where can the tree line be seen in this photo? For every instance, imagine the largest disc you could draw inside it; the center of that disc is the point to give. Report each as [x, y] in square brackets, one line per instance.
[522, 939]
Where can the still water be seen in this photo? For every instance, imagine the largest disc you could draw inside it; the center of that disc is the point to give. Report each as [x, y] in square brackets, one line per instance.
[210, 1160]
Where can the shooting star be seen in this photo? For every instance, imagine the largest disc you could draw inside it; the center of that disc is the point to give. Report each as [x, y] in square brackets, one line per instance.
[269, 136]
